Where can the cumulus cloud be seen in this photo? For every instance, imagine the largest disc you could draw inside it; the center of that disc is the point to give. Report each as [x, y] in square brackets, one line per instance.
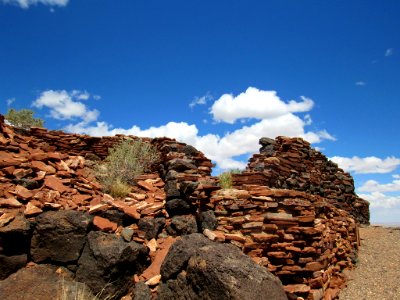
[27, 3]
[389, 52]
[380, 200]
[382, 195]
[221, 149]
[367, 165]
[360, 83]
[65, 105]
[255, 103]
[271, 115]
[374, 186]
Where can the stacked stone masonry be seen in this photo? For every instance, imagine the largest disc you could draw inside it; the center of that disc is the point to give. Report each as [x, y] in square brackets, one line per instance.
[292, 210]
[290, 163]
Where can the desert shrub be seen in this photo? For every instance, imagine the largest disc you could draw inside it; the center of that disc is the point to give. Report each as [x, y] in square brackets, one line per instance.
[23, 118]
[119, 188]
[225, 179]
[125, 161]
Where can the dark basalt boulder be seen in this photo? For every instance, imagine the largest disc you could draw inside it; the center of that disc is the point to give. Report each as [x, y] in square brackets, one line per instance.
[151, 226]
[182, 225]
[15, 240]
[197, 268]
[207, 220]
[59, 236]
[108, 263]
[42, 282]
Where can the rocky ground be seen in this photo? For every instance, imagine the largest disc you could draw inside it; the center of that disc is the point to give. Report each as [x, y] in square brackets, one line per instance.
[378, 270]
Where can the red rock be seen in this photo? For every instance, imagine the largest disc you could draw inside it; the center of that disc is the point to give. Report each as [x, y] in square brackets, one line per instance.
[9, 170]
[80, 199]
[264, 237]
[23, 192]
[154, 268]
[314, 266]
[10, 202]
[7, 159]
[104, 224]
[41, 166]
[98, 207]
[31, 210]
[146, 185]
[56, 184]
[235, 237]
[21, 173]
[38, 155]
[6, 218]
[154, 280]
[296, 288]
[132, 212]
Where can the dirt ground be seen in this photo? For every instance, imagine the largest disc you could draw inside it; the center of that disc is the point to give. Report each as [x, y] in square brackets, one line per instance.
[377, 275]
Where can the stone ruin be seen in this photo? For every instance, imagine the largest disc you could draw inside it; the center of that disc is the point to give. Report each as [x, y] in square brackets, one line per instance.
[292, 211]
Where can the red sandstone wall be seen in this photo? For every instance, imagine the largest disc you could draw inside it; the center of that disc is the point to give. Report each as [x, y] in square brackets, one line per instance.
[291, 163]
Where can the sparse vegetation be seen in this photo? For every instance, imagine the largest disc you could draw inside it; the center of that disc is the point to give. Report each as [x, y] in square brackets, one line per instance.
[225, 179]
[74, 291]
[125, 161]
[23, 118]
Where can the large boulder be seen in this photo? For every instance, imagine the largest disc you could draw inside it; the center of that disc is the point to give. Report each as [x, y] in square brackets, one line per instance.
[42, 282]
[108, 263]
[15, 239]
[59, 236]
[182, 225]
[197, 268]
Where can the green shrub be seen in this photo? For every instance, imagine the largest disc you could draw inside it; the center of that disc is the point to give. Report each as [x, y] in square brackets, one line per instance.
[23, 118]
[125, 161]
[225, 179]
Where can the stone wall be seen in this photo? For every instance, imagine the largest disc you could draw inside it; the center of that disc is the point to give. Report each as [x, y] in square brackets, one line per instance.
[302, 238]
[290, 163]
[292, 209]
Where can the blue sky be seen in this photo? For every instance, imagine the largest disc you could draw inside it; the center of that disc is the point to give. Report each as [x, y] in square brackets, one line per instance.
[218, 75]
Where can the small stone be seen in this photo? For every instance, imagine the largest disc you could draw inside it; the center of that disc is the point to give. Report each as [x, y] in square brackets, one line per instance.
[80, 199]
[21, 173]
[6, 218]
[127, 234]
[132, 212]
[98, 207]
[104, 224]
[23, 192]
[137, 196]
[41, 166]
[152, 245]
[32, 210]
[209, 234]
[296, 288]
[146, 185]
[154, 280]
[50, 205]
[56, 184]
[10, 202]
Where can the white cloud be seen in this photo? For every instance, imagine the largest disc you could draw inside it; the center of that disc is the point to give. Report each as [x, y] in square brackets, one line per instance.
[66, 106]
[10, 101]
[389, 52]
[374, 186]
[200, 100]
[380, 200]
[221, 149]
[366, 165]
[360, 83]
[255, 103]
[27, 3]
